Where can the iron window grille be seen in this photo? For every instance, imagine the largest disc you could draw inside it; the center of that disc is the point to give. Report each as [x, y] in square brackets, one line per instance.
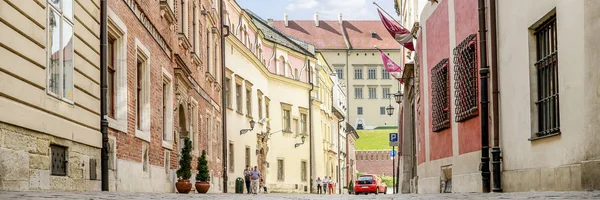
[465, 77]
[547, 78]
[440, 87]
[59, 160]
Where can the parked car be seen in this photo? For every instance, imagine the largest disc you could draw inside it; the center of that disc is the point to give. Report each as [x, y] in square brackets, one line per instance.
[369, 183]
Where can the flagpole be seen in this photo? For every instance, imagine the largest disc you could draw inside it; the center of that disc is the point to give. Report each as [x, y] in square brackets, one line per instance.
[393, 19]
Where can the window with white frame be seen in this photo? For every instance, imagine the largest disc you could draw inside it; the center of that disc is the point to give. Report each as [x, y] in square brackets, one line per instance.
[358, 74]
[183, 17]
[60, 49]
[386, 92]
[280, 170]
[372, 93]
[303, 123]
[117, 97]
[359, 110]
[142, 91]
[358, 92]
[340, 73]
[195, 126]
[167, 106]
[382, 110]
[372, 73]
[385, 74]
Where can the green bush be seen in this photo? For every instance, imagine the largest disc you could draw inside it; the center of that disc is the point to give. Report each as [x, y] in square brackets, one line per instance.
[387, 180]
[185, 163]
[386, 127]
[202, 168]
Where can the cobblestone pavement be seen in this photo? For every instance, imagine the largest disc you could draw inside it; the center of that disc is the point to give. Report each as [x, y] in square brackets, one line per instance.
[126, 195]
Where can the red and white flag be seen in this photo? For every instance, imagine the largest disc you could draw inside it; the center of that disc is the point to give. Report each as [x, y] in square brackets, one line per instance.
[391, 67]
[402, 35]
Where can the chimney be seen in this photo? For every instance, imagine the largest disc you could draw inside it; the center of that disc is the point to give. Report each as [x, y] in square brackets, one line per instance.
[285, 19]
[316, 19]
[340, 18]
[270, 22]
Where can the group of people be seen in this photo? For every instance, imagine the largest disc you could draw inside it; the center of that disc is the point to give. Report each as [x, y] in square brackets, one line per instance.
[326, 184]
[254, 181]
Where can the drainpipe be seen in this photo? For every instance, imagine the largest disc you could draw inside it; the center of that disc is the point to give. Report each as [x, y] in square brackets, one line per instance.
[483, 73]
[103, 88]
[310, 129]
[496, 120]
[223, 96]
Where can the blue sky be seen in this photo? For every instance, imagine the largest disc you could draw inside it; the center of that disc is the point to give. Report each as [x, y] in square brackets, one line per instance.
[328, 9]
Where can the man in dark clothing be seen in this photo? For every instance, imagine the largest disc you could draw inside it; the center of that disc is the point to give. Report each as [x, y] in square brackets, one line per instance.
[247, 173]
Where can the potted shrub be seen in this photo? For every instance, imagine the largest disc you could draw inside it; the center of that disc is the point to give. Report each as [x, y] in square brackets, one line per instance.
[202, 177]
[184, 172]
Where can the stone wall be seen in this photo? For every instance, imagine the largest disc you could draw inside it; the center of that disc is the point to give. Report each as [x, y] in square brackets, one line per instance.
[376, 162]
[25, 162]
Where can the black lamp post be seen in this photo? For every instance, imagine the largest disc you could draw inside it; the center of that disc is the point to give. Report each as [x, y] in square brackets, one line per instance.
[252, 122]
[301, 143]
[390, 110]
[398, 96]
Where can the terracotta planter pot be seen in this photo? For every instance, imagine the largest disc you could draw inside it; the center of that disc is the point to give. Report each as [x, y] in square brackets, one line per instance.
[202, 187]
[183, 186]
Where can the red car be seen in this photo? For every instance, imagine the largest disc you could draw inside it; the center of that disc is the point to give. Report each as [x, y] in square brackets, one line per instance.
[369, 183]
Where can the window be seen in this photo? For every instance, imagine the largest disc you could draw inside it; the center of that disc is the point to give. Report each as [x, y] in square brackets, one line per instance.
[382, 110]
[231, 158]
[60, 56]
[167, 109]
[280, 170]
[358, 73]
[440, 96]
[142, 91]
[296, 126]
[110, 63]
[267, 110]
[195, 30]
[358, 92]
[286, 120]
[249, 102]
[546, 66]
[228, 92]
[372, 73]
[372, 93]
[183, 16]
[386, 93]
[359, 110]
[248, 156]
[465, 76]
[238, 97]
[303, 120]
[303, 173]
[59, 160]
[340, 73]
[385, 74]
[260, 109]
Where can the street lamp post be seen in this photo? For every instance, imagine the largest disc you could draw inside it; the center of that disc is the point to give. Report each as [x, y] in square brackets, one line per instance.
[398, 97]
[252, 122]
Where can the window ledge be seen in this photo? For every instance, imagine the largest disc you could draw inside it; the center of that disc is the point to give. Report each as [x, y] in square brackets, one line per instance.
[238, 112]
[167, 144]
[144, 135]
[229, 108]
[196, 59]
[210, 77]
[167, 11]
[545, 136]
[249, 116]
[184, 41]
[119, 125]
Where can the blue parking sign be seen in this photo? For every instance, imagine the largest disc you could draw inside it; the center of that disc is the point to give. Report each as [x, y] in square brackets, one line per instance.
[393, 153]
[393, 139]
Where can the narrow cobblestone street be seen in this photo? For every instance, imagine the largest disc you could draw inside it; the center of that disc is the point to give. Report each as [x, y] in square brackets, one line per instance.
[125, 195]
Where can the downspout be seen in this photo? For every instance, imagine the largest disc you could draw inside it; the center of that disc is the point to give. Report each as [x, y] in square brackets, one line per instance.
[223, 96]
[483, 73]
[339, 169]
[310, 129]
[496, 158]
[103, 89]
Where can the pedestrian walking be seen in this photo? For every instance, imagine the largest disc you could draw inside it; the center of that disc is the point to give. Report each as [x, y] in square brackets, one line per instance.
[325, 182]
[318, 181]
[255, 177]
[331, 185]
[247, 173]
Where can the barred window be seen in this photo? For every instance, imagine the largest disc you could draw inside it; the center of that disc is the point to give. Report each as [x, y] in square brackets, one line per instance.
[547, 78]
[440, 86]
[465, 79]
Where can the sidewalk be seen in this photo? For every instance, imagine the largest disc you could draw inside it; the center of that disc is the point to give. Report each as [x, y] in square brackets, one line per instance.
[129, 195]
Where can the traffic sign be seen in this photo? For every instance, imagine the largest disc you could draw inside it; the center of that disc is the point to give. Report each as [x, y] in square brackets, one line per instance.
[393, 153]
[393, 139]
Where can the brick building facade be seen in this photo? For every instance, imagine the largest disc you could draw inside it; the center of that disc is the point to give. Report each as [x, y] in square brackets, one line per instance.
[376, 162]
